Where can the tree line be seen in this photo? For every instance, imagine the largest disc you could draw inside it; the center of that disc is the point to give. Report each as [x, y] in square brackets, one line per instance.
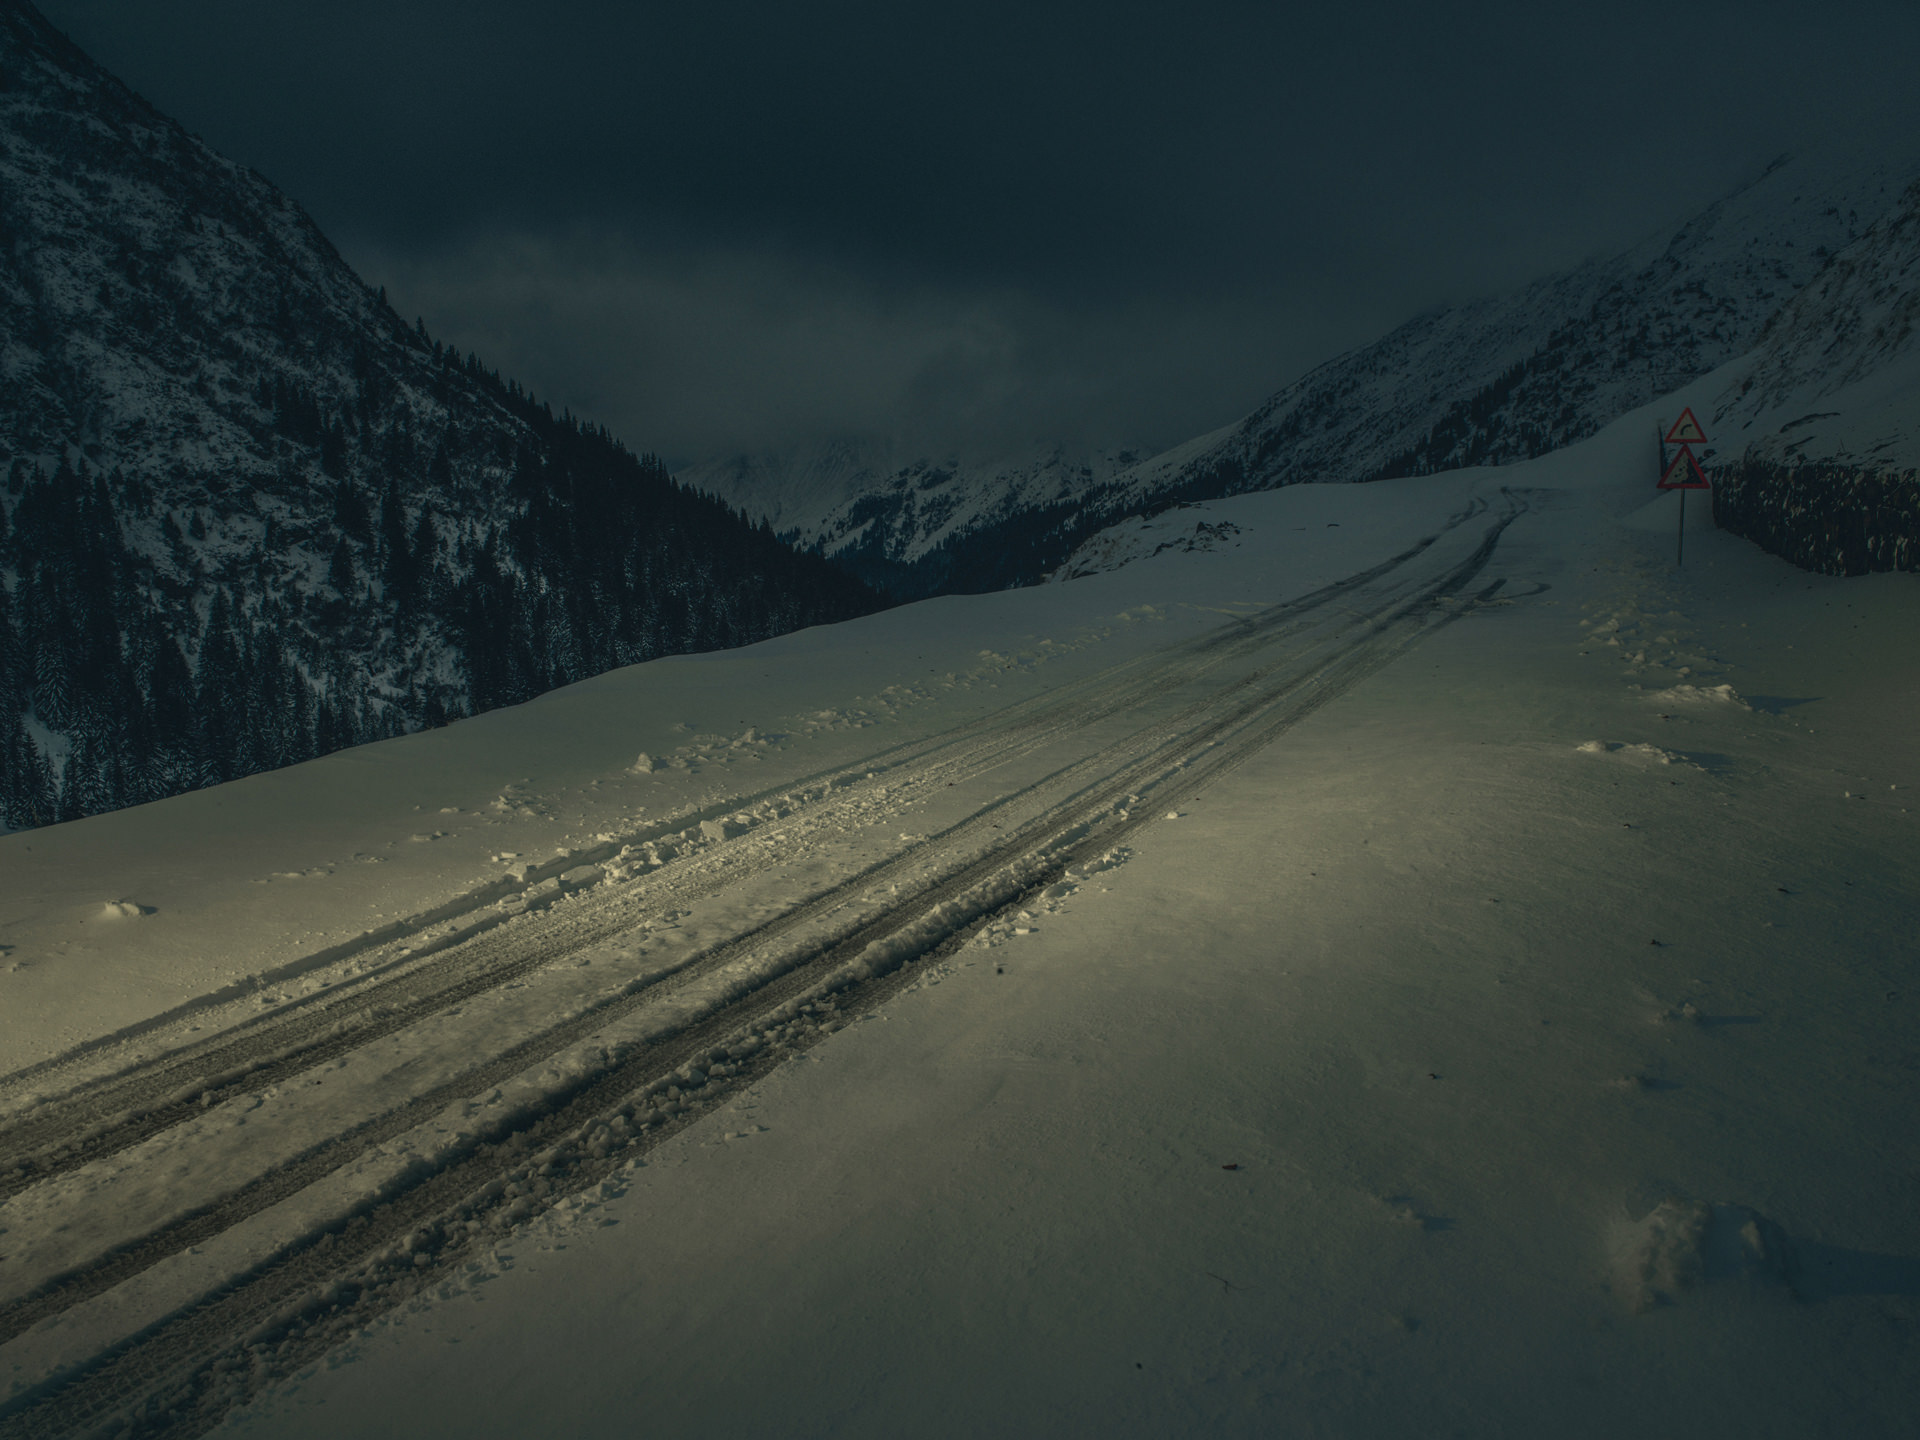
[143, 653]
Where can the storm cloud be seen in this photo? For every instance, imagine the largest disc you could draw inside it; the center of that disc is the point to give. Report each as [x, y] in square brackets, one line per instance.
[721, 349]
[736, 225]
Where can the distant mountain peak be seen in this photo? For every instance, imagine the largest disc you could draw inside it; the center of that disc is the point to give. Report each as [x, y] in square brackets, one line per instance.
[895, 515]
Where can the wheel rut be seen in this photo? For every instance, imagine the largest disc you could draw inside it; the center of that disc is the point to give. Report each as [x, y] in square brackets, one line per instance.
[678, 1044]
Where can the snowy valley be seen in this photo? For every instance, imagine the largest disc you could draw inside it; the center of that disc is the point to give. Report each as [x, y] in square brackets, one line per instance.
[1347, 960]
[1284, 985]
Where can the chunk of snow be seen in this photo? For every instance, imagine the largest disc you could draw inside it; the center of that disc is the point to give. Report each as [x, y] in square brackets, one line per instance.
[117, 910]
[1641, 753]
[1701, 695]
[1681, 1244]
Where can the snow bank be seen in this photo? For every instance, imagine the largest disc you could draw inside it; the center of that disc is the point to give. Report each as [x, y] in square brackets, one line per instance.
[1700, 695]
[1682, 1244]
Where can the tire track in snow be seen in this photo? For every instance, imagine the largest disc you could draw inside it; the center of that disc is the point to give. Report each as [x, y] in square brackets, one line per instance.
[859, 958]
[105, 1117]
[296, 1173]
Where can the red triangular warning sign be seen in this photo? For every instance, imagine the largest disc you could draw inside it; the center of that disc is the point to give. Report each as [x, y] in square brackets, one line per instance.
[1686, 430]
[1684, 473]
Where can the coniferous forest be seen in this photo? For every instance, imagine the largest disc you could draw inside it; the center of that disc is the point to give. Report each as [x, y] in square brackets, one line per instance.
[124, 679]
[248, 515]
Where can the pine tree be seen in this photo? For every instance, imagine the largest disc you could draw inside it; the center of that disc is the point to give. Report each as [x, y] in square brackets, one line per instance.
[426, 576]
[350, 516]
[26, 779]
[220, 696]
[396, 555]
[52, 682]
[340, 570]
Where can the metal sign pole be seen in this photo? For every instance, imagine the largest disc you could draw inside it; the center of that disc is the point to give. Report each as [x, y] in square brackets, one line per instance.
[1684, 472]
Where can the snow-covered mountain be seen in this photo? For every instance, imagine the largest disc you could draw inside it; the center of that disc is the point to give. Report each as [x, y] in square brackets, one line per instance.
[1836, 375]
[1488, 382]
[915, 524]
[1505, 379]
[1822, 430]
[250, 515]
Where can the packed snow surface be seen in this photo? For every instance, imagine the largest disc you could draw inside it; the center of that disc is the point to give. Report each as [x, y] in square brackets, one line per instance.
[1488, 1009]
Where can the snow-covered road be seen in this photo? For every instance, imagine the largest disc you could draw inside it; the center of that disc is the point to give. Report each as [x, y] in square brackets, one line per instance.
[1525, 924]
[445, 1082]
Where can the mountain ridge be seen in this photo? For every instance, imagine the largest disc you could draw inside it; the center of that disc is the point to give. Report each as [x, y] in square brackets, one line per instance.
[1823, 426]
[1490, 381]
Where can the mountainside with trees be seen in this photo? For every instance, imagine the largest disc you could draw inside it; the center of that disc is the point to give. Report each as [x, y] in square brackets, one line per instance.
[249, 515]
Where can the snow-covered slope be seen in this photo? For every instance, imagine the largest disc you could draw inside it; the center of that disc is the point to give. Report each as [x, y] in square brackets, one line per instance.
[1819, 436]
[1837, 375]
[1184, 529]
[1431, 966]
[1504, 379]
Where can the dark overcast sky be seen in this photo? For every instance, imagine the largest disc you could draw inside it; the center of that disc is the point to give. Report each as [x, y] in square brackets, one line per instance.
[724, 225]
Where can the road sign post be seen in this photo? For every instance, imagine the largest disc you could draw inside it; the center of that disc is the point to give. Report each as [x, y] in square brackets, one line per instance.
[1683, 472]
[1686, 430]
